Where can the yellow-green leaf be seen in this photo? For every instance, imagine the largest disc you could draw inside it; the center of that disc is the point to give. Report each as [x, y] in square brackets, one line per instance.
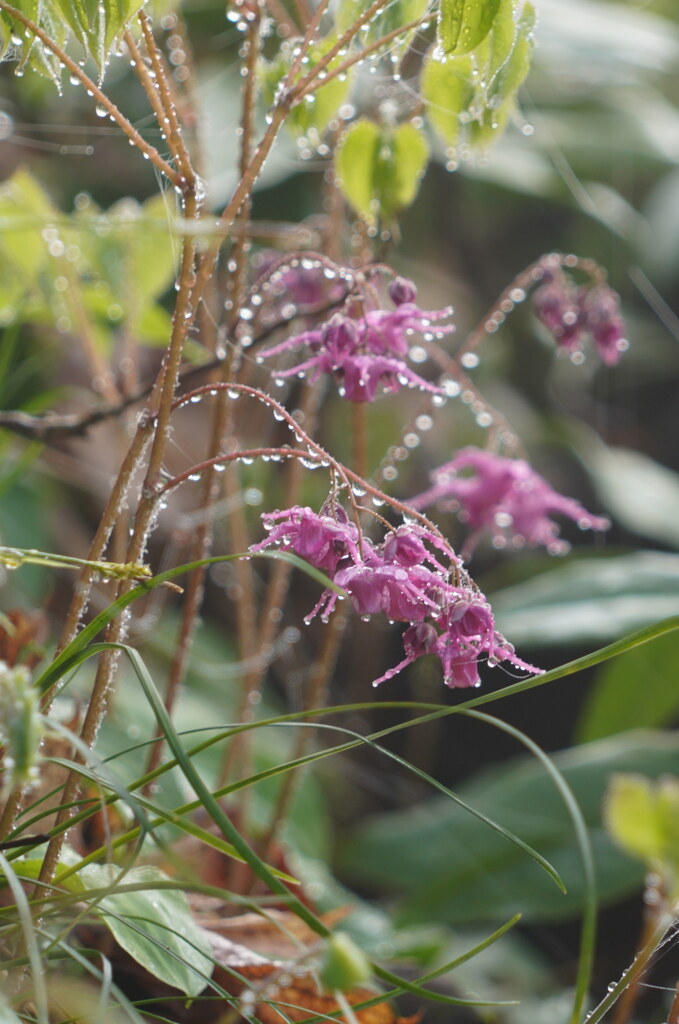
[379, 167]
[447, 85]
[463, 24]
[642, 817]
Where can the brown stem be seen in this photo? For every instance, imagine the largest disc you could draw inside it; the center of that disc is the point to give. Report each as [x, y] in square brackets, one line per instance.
[169, 122]
[319, 675]
[359, 438]
[163, 396]
[673, 1015]
[309, 82]
[93, 90]
[655, 909]
[276, 118]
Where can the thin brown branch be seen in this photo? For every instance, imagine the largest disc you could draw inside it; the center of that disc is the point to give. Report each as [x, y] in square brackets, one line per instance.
[51, 427]
[169, 121]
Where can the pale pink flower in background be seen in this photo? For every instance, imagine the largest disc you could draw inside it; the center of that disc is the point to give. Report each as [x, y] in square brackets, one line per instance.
[506, 497]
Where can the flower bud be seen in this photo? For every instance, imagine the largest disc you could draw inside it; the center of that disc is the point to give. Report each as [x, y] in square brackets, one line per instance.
[20, 728]
[344, 965]
[401, 290]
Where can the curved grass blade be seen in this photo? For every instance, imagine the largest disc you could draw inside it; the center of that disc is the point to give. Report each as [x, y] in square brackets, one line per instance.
[588, 928]
[505, 833]
[39, 993]
[61, 664]
[257, 865]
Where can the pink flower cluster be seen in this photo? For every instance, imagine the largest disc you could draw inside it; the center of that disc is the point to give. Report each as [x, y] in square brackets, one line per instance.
[403, 579]
[505, 496]
[366, 353]
[571, 314]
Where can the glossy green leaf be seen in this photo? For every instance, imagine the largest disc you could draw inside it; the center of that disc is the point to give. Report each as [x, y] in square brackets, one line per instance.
[590, 600]
[17, 42]
[440, 864]
[447, 86]
[379, 167]
[500, 43]
[155, 926]
[510, 65]
[96, 23]
[470, 97]
[463, 24]
[637, 690]
[642, 817]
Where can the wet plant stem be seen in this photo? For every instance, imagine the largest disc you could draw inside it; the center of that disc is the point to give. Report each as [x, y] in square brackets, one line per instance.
[222, 425]
[169, 120]
[359, 438]
[162, 397]
[316, 696]
[654, 911]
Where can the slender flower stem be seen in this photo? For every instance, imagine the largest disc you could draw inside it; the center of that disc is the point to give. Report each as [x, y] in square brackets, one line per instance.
[162, 397]
[93, 90]
[516, 292]
[314, 450]
[319, 674]
[654, 910]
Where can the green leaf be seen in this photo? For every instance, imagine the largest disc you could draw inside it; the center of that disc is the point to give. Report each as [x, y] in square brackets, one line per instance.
[379, 167]
[590, 600]
[130, 251]
[642, 817]
[443, 865]
[448, 88]
[509, 65]
[18, 42]
[463, 24]
[155, 926]
[96, 23]
[472, 93]
[25, 213]
[614, 703]
[639, 492]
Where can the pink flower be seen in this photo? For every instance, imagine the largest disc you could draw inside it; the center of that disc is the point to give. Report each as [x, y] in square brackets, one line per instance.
[505, 496]
[600, 312]
[464, 631]
[367, 353]
[570, 314]
[556, 306]
[405, 581]
[322, 540]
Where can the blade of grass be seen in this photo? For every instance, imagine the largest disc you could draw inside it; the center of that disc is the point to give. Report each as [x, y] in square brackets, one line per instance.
[588, 927]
